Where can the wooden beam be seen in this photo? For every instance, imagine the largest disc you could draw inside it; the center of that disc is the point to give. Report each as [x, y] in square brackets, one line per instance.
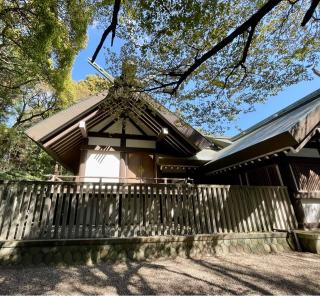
[164, 132]
[119, 149]
[83, 129]
[137, 126]
[108, 125]
[68, 130]
[75, 135]
[73, 132]
[123, 133]
[156, 126]
[119, 136]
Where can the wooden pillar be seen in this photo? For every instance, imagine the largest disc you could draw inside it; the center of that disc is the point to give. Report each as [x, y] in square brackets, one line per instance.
[82, 161]
[123, 155]
[290, 181]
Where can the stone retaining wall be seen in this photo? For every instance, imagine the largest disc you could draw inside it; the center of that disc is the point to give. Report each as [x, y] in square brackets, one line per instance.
[309, 240]
[90, 251]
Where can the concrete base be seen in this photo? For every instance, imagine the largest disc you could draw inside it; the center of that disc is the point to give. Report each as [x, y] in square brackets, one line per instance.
[89, 251]
[309, 240]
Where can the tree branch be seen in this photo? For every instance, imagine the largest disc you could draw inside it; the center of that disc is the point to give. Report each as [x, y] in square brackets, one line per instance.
[316, 71]
[162, 85]
[251, 22]
[310, 11]
[112, 28]
[247, 45]
[20, 121]
[18, 85]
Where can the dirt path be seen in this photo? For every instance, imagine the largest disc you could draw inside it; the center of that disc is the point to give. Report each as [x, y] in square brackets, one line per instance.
[288, 273]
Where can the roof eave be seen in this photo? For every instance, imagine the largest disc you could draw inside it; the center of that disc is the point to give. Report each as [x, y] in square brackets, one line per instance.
[277, 143]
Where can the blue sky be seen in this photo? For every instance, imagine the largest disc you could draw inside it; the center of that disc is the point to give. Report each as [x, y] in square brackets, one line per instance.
[291, 94]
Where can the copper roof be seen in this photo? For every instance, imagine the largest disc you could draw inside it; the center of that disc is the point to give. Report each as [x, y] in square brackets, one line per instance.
[287, 128]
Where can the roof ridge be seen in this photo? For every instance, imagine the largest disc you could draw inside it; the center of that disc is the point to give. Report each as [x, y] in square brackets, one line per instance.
[301, 102]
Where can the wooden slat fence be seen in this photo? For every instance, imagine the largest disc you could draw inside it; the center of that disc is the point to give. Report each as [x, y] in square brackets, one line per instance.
[67, 210]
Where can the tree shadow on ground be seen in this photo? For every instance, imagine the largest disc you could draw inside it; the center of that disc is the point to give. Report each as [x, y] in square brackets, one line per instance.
[210, 275]
[258, 282]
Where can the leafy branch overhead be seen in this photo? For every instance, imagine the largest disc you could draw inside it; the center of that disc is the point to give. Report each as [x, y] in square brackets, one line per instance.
[111, 29]
[248, 26]
[221, 56]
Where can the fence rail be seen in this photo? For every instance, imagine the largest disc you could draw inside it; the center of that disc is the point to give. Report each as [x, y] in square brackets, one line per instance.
[67, 210]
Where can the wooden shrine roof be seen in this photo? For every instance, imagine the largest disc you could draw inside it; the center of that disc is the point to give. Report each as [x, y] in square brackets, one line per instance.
[283, 130]
[61, 137]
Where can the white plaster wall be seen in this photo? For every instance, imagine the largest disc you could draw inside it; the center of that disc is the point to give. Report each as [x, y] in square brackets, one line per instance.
[140, 143]
[104, 141]
[102, 164]
[311, 208]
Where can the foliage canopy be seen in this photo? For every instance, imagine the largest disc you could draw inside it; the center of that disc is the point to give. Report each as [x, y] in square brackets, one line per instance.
[38, 43]
[167, 37]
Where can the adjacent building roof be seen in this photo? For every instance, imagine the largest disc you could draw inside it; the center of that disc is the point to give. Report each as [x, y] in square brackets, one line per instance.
[220, 141]
[283, 130]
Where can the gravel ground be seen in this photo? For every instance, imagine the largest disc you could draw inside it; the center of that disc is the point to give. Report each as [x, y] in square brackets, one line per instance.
[287, 273]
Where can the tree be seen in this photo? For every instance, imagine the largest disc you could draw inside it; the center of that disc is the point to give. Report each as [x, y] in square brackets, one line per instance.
[20, 157]
[38, 43]
[91, 85]
[222, 56]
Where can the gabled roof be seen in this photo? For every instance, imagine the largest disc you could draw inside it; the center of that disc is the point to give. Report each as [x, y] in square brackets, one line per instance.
[58, 121]
[60, 135]
[281, 131]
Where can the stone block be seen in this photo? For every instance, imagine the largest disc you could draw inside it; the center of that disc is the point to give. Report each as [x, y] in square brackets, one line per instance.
[232, 249]
[34, 250]
[139, 255]
[122, 256]
[280, 247]
[255, 242]
[225, 249]
[58, 258]
[227, 242]
[233, 242]
[67, 258]
[37, 258]
[48, 258]
[194, 253]
[16, 258]
[274, 240]
[46, 250]
[173, 252]
[240, 249]
[268, 240]
[218, 250]
[267, 248]
[104, 252]
[247, 241]
[27, 259]
[6, 252]
[274, 248]
[95, 256]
